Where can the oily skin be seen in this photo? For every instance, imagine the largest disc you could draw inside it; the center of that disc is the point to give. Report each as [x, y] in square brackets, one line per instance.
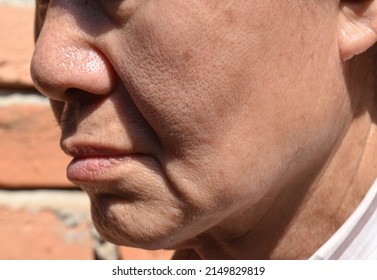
[230, 133]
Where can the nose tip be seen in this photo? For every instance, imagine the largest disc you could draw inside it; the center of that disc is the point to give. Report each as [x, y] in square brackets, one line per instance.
[60, 64]
[55, 72]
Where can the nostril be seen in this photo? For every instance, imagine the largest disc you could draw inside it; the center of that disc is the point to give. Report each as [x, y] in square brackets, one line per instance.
[75, 95]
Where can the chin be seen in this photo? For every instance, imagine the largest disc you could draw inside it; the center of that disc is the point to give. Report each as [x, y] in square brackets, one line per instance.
[130, 224]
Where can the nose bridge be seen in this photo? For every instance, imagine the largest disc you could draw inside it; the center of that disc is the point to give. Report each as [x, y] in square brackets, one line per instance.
[65, 57]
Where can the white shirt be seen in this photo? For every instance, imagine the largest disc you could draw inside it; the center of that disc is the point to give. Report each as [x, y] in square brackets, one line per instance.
[356, 239]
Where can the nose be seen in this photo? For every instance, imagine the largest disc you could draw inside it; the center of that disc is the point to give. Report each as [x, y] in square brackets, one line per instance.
[66, 60]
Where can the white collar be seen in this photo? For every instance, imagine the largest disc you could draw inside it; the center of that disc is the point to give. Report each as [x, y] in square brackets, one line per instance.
[357, 237]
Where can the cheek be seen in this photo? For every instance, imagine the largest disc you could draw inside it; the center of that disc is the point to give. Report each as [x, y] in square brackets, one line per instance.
[186, 79]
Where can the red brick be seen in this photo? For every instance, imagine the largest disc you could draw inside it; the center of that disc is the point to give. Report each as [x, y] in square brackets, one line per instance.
[128, 253]
[30, 152]
[16, 47]
[33, 236]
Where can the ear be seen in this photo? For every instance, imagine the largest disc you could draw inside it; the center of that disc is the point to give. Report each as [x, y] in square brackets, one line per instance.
[358, 27]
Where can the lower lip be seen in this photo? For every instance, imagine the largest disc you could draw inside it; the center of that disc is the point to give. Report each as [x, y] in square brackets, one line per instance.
[88, 169]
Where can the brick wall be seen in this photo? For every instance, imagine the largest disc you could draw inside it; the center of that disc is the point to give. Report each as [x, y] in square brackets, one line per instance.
[42, 215]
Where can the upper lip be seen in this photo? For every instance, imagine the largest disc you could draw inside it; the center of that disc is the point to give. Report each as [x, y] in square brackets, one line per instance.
[83, 150]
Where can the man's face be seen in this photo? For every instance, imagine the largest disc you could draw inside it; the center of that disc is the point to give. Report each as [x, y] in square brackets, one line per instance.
[184, 115]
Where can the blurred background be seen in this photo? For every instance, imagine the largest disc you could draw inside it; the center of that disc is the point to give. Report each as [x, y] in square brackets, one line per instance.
[42, 215]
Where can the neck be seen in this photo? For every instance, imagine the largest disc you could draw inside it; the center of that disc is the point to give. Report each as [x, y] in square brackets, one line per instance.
[314, 205]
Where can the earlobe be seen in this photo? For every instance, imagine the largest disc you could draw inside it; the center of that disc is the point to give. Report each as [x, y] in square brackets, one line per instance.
[358, 27]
